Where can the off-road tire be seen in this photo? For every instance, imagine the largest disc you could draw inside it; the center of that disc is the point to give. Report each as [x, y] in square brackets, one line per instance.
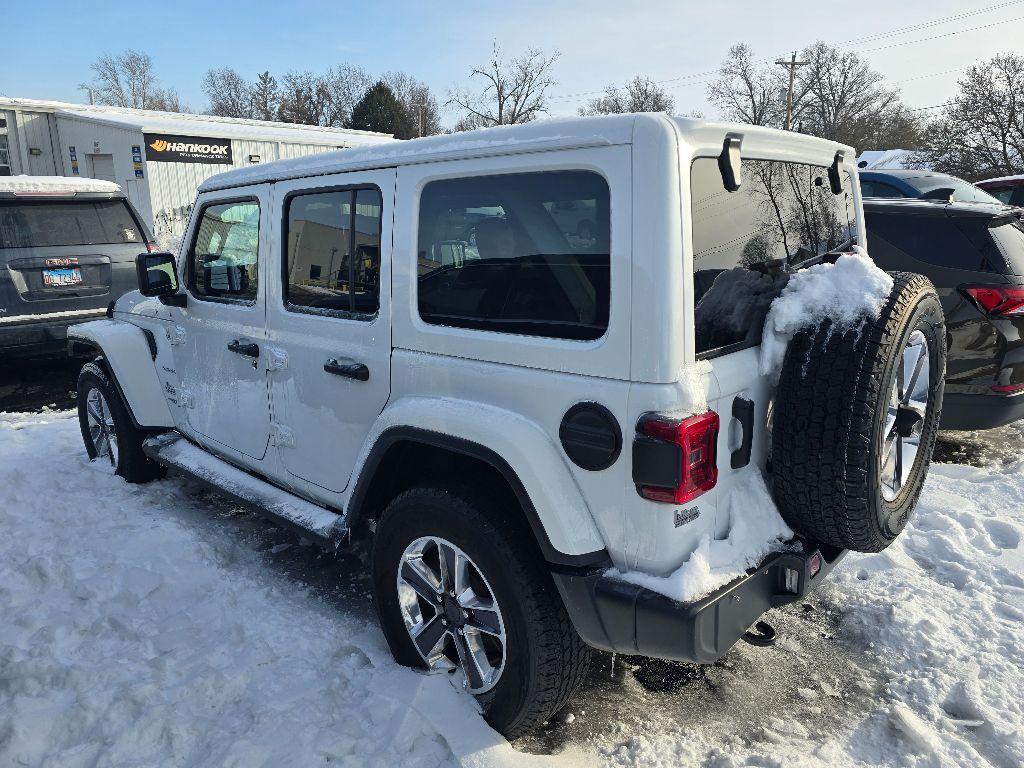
[829, 416]
[132, 464]
[546, 659]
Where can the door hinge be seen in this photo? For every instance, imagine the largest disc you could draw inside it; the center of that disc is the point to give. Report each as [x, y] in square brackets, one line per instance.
[175, 335]
[282, 436]
[277, 359]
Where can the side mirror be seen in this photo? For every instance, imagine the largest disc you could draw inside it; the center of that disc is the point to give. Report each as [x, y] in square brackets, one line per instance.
[157, 274]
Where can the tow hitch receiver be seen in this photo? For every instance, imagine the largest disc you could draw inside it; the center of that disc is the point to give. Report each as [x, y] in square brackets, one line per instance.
[763, 637]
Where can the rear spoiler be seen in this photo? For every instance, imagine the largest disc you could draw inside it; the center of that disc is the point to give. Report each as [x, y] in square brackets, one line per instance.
[63, 194]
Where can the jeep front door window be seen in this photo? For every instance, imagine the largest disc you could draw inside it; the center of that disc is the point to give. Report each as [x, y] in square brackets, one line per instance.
[223, 260]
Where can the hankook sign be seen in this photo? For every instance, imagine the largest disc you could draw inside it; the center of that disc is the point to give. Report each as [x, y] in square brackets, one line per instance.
[163, 148]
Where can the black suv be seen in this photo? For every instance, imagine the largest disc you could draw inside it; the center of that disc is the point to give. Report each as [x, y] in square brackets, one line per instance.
[974, 254]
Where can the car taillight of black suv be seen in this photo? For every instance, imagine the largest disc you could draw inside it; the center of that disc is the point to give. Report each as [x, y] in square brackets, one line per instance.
[974, 254]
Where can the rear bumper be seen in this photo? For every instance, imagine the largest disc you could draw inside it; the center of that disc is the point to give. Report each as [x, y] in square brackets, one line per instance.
[41, 334]
[614, 615]
[962, 411]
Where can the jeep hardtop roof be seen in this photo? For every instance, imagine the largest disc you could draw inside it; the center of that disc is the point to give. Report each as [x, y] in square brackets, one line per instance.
[536, 136]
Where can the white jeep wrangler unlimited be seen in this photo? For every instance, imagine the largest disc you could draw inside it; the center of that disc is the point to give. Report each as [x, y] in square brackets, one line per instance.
[525, 361]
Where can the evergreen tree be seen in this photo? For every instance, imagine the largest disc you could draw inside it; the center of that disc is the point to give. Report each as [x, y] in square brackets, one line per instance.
[380, 110]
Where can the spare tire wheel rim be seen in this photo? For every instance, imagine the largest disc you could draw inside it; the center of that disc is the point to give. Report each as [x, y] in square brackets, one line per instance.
[102, 431]
[905, 416]
[450, 612]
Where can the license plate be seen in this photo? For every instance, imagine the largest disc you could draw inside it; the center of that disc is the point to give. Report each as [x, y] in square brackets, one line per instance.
[58, 277]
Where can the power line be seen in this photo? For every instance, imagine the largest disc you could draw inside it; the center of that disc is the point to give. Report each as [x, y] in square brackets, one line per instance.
[926, 24]
[945, 34]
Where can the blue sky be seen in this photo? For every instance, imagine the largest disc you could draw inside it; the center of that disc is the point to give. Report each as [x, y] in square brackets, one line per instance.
[48, 46]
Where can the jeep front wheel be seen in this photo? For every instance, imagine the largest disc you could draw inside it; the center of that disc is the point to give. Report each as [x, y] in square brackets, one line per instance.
[463, 592]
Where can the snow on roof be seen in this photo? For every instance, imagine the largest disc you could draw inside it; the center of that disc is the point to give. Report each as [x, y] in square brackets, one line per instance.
[202, 125]
[55, 185]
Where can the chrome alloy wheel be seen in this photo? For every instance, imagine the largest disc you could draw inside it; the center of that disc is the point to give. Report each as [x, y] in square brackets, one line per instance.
[904, 419]
[101, 427]
[450, 612]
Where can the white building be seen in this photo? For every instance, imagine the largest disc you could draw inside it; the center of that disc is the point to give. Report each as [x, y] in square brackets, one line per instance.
[158, 158]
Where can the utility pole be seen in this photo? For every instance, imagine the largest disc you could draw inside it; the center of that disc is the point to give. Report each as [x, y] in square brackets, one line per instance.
[791, 65]
[86, 88]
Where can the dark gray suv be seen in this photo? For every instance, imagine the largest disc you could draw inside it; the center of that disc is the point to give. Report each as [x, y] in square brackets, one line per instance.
[67, 249]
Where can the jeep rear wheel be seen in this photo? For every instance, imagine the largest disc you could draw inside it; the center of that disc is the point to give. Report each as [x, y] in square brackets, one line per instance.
[855, 421]
[464, 592]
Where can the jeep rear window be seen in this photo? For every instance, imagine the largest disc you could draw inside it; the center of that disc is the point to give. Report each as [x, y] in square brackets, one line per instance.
[524, 253]
[745, 243]
[42, 224]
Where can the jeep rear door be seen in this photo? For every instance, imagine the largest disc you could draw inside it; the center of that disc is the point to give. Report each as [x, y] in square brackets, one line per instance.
[329, 320]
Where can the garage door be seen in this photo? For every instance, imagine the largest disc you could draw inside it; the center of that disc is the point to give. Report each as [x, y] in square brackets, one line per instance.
[102, 167]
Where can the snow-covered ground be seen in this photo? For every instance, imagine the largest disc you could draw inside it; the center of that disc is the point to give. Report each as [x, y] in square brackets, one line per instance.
[157, 625]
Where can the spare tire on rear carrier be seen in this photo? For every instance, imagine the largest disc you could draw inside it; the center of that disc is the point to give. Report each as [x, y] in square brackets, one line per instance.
[855, 419]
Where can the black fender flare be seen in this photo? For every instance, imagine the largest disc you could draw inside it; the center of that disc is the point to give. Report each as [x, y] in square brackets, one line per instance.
[394, 435]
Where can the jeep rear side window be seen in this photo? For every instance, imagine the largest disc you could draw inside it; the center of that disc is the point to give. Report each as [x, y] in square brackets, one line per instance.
[324, 230]
[746, 243]
[524, 253]
[223, 261]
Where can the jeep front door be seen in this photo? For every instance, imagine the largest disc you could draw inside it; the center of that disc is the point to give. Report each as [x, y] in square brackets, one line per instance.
[220, 354]
[328, 320]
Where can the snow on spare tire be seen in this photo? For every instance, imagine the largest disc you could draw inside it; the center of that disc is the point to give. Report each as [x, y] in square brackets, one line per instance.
[859, 360]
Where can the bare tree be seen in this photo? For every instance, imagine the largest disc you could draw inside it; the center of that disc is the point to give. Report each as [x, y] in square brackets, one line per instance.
[265, 97]
[839, 97]
[127, 80]
[746, 92]
[514, 91]
[229, 94]
[640, 94]
[304, 99]
[343, 86]
[418, 101]
[980, 133]
[836, 96]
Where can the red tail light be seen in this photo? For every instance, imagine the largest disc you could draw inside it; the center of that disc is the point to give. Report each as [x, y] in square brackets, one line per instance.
[690, 470]
[1008, 389]
[999, 300]
[152, 247]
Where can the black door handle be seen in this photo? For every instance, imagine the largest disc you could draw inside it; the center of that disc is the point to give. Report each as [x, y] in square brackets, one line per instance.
[244, 348]
[743, 411]
[356, 371]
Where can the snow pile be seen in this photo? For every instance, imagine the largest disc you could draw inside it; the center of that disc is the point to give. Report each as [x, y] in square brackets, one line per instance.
[141, 626]
[756, 531]
[845, 293]
[139, 629]
[692, 395]
[55, 185]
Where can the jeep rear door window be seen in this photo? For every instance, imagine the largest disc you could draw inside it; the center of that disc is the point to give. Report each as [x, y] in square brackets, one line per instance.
[333, 252]
[38, 224]
[224, 255]
[524, 253]
[745, 243]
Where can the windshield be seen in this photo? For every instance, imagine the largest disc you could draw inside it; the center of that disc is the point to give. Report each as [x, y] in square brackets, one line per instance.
[963, 191]
[38, 224]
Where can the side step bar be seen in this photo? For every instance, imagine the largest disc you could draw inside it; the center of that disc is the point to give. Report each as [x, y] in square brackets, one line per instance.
[175, 452]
